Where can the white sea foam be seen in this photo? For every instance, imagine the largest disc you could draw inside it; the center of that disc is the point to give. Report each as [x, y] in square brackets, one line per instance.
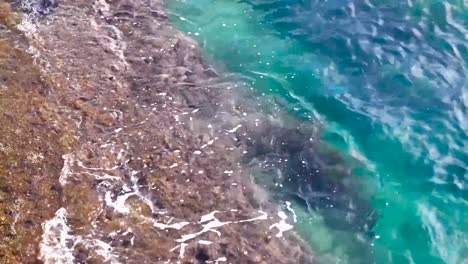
[204, 242]
[221, 259]
[176, 226]
[57, 242]
[209, 223]
[66, 169]
[282, 225]
[234, 129]
[288, 207]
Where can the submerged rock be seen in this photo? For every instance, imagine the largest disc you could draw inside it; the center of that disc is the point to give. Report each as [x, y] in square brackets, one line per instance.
[42, 7]
[313, 175]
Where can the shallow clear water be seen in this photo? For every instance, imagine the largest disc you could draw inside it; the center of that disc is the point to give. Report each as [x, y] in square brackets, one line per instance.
[388, 81]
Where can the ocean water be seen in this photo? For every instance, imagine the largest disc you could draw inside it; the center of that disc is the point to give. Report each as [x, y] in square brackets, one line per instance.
[386, 80]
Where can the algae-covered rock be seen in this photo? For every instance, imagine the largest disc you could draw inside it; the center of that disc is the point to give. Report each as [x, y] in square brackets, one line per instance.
[7, 17]
[30, 152]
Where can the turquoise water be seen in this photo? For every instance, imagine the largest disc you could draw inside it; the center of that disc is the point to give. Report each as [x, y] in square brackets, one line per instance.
[388, 81]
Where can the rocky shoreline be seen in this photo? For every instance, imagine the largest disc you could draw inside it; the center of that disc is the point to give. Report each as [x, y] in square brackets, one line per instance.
[118, 145]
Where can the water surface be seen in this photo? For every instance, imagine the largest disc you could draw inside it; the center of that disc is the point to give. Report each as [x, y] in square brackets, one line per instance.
[387, 79]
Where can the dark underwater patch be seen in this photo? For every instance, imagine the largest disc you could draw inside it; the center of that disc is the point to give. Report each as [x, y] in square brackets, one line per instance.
[310, 174]
[40, 7]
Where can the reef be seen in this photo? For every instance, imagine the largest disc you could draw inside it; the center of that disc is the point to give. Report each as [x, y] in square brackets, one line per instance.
[115, 145]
